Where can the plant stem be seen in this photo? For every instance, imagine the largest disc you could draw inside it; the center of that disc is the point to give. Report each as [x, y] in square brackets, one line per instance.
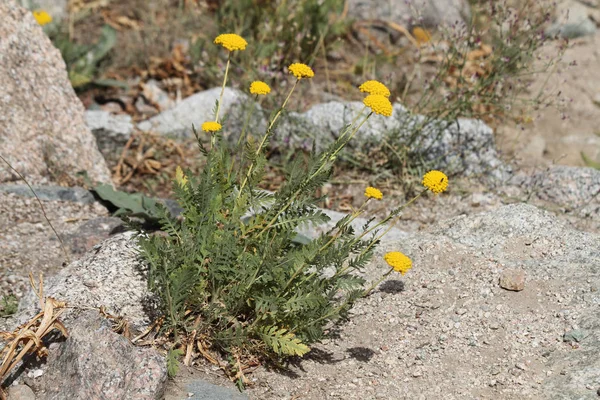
[318, 171]
[267, 134]
[212, 139]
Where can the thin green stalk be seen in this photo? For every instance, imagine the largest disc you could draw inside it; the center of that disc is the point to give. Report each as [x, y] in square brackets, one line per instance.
[213, 136]
[267, 134]
[374, 285]
[318, 171]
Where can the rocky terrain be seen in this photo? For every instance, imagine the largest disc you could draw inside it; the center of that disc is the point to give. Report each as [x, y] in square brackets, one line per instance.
[501, 302]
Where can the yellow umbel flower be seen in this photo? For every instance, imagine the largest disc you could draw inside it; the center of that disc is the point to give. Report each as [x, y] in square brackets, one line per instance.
[300, 70]
[378, 104]
[374, 87]
[373, 193]
[211, 126]
[42, 17]
[231, 41]
[259, 87]
[436, 181]
[398, 261]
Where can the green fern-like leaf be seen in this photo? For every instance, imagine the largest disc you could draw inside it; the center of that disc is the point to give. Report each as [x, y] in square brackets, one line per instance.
[283, 342]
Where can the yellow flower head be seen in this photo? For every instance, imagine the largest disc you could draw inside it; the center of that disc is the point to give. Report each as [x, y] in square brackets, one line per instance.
[42, 17]
[211, 126]
[379, 104]
[259, 87]
[231, 41]
[436, 181]
[373, 193]
[398, 261]
[374, 87]
[300, 70]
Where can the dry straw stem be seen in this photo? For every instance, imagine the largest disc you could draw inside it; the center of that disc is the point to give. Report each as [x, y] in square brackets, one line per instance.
[27, 338]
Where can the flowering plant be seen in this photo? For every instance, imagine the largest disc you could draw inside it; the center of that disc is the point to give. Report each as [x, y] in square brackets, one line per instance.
[233, 274]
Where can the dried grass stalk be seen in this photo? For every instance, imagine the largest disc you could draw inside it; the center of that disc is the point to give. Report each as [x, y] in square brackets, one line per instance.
[28, 338]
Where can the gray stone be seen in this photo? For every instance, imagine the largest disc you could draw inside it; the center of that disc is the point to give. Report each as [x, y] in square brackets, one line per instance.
[202, 390]
[111, 131]
[199, 108]
[50, 193]
[577, 189]
[92, 232]
[110, 275]
[586, 27]
[20, 392]
[42, 127]
[429, 13]
[94, 362]
[465, 147]
[573, 19]
[576, 335]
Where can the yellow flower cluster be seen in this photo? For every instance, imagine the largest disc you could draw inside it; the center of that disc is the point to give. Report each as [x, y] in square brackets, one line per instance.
[374, 87]
[42, 17]
[211, 126]
[398, 261]
[373, 193]
[231, 41]
[436, 181]
[259, 87]
[378, 104]
[300, 70]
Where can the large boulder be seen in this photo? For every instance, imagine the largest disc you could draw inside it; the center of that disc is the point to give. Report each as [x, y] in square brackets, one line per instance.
[192, 112]
[111, 275]
[42, 128]
[466, 146]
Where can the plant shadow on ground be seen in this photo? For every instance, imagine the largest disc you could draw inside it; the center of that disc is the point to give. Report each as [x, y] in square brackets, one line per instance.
[321, 356]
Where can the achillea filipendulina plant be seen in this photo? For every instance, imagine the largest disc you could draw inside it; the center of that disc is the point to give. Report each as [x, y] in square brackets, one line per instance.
[232, 274]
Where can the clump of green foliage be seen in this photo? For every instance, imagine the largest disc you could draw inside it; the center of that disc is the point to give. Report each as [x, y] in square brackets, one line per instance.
[8, 306]
[233, 270]
[299, 26]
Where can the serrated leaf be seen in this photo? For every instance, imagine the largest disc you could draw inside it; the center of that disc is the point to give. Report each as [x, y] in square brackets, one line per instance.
[283, 342]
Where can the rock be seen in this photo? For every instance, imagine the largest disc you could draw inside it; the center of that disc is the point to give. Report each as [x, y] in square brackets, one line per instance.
[572, 20]
[20, 392]
[199, 389]
[155, 95]
[199, 108]
[94, 362]
[56, 8]
[110, 275]
[512, 280]
[576, 335]
[575, 188]
[111, 131]
[50, 193]
[42, 127]
[465, 147]
[429, 13]
[92, 232]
